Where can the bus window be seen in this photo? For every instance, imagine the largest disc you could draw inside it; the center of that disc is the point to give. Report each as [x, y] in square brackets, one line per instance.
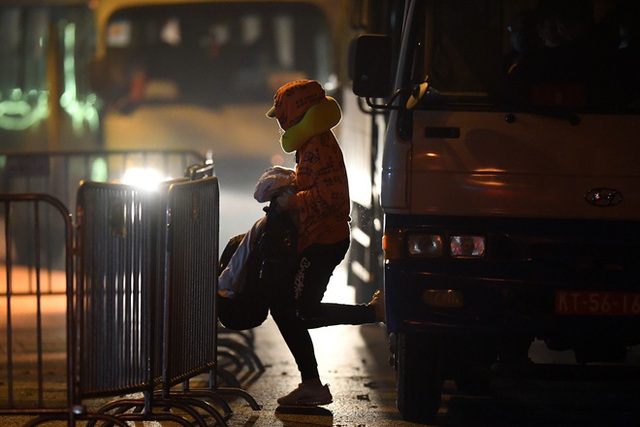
[212, 53]
[45, 98]
[23, 85]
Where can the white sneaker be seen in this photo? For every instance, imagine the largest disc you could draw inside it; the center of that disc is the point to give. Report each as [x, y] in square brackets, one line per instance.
[307, 395]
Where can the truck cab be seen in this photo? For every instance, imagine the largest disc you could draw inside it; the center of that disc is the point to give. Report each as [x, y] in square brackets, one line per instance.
[509, 187]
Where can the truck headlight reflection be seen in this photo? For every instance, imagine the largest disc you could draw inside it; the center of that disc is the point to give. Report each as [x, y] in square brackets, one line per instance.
[424, 244]
[145, 178]
[467, 246]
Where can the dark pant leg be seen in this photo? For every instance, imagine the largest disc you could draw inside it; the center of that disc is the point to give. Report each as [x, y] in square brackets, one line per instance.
[330, 314]
[297, 338]
[322, 261]
[307, 284]
[297, 306]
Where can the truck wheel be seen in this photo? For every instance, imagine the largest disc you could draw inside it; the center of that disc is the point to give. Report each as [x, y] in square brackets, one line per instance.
[420, 376]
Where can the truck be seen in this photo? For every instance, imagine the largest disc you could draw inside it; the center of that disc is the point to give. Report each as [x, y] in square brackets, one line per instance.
[505, 188]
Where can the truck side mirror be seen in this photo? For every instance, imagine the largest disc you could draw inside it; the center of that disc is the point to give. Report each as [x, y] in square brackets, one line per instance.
[372, 66]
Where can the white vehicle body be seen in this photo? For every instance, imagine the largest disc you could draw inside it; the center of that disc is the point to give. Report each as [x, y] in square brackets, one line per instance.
[510, 197]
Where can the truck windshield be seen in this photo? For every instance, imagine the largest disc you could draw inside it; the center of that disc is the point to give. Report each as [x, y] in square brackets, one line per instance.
[581, 55]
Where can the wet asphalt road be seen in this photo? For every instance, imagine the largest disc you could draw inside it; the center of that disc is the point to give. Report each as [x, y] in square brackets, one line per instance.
[353, 360]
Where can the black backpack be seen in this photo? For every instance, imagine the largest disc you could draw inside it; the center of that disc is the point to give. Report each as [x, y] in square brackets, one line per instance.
[271, 261]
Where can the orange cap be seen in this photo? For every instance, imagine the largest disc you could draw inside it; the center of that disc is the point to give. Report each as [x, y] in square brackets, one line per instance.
[292, 101]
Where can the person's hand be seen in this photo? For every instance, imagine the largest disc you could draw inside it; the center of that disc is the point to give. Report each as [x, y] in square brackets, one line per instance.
[282, 202]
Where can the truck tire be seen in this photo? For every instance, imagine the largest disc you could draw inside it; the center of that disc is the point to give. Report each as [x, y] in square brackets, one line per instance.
[420, 377]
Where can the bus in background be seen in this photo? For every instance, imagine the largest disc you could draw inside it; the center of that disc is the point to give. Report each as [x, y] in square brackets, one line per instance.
[509, 185]
[201, 74]
[46, 100]
[157, 74]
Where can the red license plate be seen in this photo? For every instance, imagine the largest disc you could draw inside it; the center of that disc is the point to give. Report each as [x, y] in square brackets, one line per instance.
[598, 303]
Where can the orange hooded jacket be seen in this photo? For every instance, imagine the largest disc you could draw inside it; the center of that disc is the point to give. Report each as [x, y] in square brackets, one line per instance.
[307, 116]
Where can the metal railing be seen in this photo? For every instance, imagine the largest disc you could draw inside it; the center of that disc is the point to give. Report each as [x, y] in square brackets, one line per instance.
[37, 327]
[147, 274]
[129, 308]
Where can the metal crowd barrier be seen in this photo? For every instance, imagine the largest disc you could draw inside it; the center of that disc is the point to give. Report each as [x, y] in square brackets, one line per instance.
[36, 326]
[147, 274]
[139, 319]
[190, 295]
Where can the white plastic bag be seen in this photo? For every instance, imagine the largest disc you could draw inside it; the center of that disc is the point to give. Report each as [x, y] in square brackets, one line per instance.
[275, 181]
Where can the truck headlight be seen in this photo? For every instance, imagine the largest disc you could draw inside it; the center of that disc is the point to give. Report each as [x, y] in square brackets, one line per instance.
[467, 246]
[424, 244]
